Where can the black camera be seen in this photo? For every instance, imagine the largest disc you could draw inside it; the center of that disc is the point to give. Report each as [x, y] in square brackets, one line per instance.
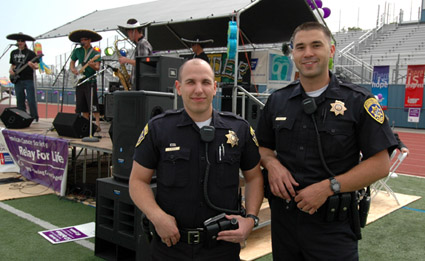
[216, 224]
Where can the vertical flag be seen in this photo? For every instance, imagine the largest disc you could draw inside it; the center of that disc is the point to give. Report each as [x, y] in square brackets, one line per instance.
[380, 84]
[414, 86]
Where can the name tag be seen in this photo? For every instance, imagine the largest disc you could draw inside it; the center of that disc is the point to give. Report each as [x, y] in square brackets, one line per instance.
[172, 149]
[280, 119]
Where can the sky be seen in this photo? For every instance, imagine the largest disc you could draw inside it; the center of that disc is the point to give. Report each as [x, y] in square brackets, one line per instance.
[38, 17]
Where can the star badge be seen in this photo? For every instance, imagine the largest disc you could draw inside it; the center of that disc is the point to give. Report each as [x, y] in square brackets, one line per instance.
[232, 138]
[338, 107]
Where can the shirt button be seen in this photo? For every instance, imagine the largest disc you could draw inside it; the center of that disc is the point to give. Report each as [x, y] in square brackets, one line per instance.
[333, 130]
[301, 148]
[304, 126]
[202, 158]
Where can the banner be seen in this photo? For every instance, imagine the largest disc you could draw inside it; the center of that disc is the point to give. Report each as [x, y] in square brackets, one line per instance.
[40, 158]
[6, 161]
[380, 82]
[414, 86]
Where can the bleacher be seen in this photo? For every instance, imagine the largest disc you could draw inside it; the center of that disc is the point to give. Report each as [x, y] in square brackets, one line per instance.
[396, 45]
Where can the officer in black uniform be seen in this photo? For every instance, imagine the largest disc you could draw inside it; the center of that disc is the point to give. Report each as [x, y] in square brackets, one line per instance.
[308, 221]
[175, 144]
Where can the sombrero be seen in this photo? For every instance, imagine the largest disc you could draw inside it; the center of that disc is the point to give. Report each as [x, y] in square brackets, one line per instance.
[132, 24]
[76, 35]
[197, 40]
[20, 36]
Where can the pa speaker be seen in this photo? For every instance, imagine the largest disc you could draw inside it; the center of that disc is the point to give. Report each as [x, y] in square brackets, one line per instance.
[73, 125]
[14, 118]
[132, 110]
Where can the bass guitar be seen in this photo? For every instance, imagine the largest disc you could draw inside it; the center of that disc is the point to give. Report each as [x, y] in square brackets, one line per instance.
[15, 77]
[76, 79]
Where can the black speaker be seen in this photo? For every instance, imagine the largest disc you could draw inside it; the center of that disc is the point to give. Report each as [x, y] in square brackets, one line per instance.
[157, 73]
[14, 118]
[73, 125]
[109, 106]
[132, 110]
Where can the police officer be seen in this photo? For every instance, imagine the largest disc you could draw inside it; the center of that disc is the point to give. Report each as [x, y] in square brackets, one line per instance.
[346, 119]
[174, 145]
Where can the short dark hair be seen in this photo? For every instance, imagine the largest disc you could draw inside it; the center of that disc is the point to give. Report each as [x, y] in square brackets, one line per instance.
[312, 26]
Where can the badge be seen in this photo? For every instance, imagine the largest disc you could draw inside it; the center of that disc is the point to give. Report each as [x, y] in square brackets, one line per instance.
[280, 119]
[374, 109]
[232, 138]
[338, 107]
[142, 135]
[172, 149]
[254, 138]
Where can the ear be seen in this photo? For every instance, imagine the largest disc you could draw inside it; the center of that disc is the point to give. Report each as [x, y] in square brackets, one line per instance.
[215, 88]
[178, 86]
[332, 51]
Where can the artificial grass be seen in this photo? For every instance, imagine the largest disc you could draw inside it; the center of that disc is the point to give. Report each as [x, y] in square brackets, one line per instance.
[397, 236]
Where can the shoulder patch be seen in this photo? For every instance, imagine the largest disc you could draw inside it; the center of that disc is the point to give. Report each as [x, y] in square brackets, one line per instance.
[142, 135]
[374, 110]
[254, 138]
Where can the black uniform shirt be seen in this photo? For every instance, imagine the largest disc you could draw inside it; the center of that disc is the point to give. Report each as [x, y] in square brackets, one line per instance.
[171, 144]
[344, 123]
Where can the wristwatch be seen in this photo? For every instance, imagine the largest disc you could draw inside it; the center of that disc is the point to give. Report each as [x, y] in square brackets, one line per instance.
[335, 186]
[255, 218]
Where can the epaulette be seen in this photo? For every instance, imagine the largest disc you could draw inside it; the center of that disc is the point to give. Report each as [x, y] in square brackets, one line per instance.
[354, 87]
[167, 113]
[229, 114]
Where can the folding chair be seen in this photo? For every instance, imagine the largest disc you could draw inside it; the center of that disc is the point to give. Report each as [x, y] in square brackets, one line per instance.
[382, 183]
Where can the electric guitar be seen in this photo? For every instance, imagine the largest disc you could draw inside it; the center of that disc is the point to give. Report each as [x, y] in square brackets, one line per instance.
[15, 77]
[76, 79]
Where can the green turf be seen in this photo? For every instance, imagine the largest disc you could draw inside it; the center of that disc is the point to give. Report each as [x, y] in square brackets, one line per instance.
[397, 236]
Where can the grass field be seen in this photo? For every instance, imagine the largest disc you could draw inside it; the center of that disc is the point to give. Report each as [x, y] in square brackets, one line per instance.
[397, 236]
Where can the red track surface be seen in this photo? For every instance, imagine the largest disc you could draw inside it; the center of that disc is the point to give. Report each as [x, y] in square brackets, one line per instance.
[53, 109]
[414, 164]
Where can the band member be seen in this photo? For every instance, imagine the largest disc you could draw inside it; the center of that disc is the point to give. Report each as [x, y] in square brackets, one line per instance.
[89, 58]
[23, 63]
[197, 45]
[133, 30]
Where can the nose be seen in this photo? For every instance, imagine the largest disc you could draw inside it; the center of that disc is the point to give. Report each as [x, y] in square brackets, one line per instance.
[308, 51]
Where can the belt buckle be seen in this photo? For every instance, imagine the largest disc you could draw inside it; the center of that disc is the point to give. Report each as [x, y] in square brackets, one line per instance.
[195, 235]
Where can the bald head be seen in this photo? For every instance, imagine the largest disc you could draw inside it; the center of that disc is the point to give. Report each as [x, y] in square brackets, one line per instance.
[194, 62]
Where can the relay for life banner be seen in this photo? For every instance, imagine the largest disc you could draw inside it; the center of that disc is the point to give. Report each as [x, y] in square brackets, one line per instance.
[380, 84]
[40, 158]
[414, 91]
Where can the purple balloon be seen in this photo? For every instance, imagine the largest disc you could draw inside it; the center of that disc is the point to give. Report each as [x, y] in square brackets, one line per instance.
[380, 95]
[319, 3]
[326, 12]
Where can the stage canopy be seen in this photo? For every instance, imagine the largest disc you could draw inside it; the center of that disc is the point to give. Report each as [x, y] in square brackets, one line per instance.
[261, 21]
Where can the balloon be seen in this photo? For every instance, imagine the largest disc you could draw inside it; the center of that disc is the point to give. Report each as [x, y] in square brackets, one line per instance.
[326, 11]
[380, 96]
[319, 3]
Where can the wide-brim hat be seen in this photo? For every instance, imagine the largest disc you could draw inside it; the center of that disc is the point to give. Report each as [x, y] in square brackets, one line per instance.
[132, 24]
[76, 36]
[20, 36]
[198, 40]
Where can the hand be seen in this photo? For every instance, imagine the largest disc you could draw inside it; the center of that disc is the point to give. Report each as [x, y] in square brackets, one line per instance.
[166, 228]
[281, 182]
[11, 72]
[405, 150]
[311, 198]
[122, 60]
[238, 235]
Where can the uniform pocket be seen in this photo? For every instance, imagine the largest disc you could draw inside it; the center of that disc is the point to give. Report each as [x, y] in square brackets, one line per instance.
[337, 137]
[228, 168]
[174, 171]
[284, 134]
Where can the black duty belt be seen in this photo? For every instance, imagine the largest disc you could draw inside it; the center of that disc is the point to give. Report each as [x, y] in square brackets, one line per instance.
[192, 236]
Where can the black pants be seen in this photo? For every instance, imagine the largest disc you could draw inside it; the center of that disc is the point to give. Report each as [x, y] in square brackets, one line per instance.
[300, 236]
[223, 251]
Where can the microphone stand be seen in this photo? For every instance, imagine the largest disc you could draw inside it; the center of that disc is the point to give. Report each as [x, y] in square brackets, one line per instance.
[91, 138]
[10, 45]
[63, 70]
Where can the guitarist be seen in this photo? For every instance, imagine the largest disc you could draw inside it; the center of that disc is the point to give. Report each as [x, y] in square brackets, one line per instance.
[24, 80]
[84, 55]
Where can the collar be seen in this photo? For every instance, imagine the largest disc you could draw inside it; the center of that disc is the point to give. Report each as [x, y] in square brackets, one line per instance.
[216, 121]
[332, 92]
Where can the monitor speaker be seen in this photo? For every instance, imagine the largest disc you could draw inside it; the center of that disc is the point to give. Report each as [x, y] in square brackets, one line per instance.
[14, 118]
[132, 110]
[73, 125]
